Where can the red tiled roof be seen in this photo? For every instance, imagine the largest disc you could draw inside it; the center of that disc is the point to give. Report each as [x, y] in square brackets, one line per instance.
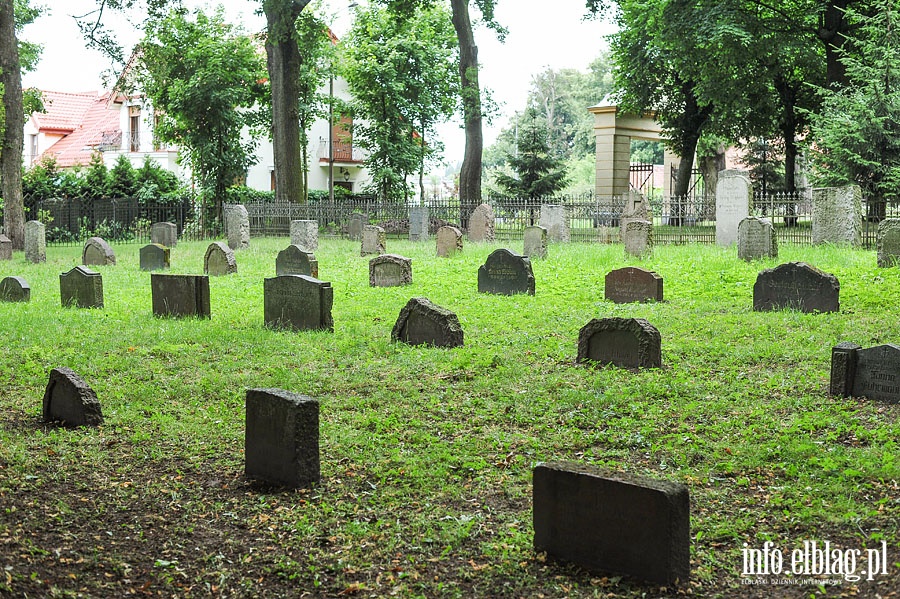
[65, 110]
[77, 147]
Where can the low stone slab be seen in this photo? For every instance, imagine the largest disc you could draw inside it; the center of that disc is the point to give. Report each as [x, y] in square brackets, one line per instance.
[281, 438]
[298, 303]
[632, 284]
[219, 260]
[612, 522]
[756, 239]
[373, 240]
[423, 323]
[164, 233]
[35, 242]
[305, 233]
[390, 270]
[449, 241]
[481, 224]
[872, 372]
[623, 342]
[97, 252]
[15, 289]
[888, 243]
[506, 273]
[180, 295]
[6, 249]
[796, 286]
[81, 287]
[296, 260]
[154, 257]
[69, 400]
[534, 244]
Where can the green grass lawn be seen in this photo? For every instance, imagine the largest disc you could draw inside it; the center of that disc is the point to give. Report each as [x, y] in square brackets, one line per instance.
[427, 453]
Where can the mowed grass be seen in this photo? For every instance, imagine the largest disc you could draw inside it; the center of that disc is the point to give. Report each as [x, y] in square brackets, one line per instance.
[427, 453]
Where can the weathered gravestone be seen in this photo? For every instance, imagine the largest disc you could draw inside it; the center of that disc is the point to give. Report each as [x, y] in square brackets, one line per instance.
[81, 287]
[419, 222]
[506, 273]
[535, 242]
[219, 260]
[637, 235]
[612, 522]
[373, 241]
[180, 295]
[837, 215]
[796, 286]
[154, 257]
[6, 251]
[872, 372]
[164, 233]
[733, 194]
[14, 289]
[35, 242]
[481, 224]
[296, 260]
[298, 303]
[553, 218]
[756, 239]
[423, 323]
[97, 252]
[449, 241]
[623, 342]
[305, 233]
[356, 224]
[888, 243]
[390, 270]
[69, 400]
[237, 226]
[632, 284]
[281, 438]
[636, 207]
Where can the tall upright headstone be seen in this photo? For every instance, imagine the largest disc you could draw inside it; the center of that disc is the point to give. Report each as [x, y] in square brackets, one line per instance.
[180, 295]
[449, 241]
[281, 438]
[554, 219]
[837, 215]
[888, 243]
[796, 286]
[305, 233]
[756, 239]
[14, 289]
[623, 342]
[374, 241]
[35, 242]
[70, 400]
[356, 224]
[96, 252]
[219, 260]
[506, 273]
[164, 233]
[534, 243]
[637, 236]
[733, 197]
[81, 287]
[6, 251]
[636, 207]
[390, 270]
[296, 260]
[237, 226]
[154, 256]
[419, 222]
[298, 303]
[423, 323]
[481, 224]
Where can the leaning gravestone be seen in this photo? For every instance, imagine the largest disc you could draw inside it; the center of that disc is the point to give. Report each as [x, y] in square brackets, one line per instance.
[97, 252]
[373, 241]
[612, 522]
[237, 226]
[837, 215]
[553, 218]
[733, 194]
[623, 342]
[154, 257]
[423, 323]
[506, 273]
[14, 289]
[219, 260]
[756, 239]
[6, 251]
[449, 241]
[390, 270]
[180, 295]
[35, 242]
[419, 221]
[81, 287]
[305, 233]
[637, 235]
[796, 286]
[298, 303]
[355, 227]
[295, 260]
[281, 438]
[481, 224]
[68, 399]
[164, 233]
[632, 284]
[535, 242]
[888, 243]
[872, 372]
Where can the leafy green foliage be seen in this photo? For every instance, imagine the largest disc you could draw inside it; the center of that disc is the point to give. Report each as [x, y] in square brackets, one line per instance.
[538, 172]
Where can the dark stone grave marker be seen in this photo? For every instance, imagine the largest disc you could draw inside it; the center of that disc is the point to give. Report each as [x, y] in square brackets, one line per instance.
[796, 286]
[97, 252]
[295, 260]
[68, 399]
[81, 287]
[506, 273]
[180, 295]
[624, 342]
[14, 289]
[632, 284]
[219, 259]
[390, 270]
[154, 257]
[281, 438]
[298, 302]
[873, 372]
[423, 323]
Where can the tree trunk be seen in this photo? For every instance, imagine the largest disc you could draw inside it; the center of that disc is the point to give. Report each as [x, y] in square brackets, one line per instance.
[832, 32]
[470, 174]
[693, 119]
[13, 135]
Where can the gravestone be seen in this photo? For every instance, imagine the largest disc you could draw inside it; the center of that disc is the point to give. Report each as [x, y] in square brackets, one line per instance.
[506, 273]
[481, 224]
[164, 233]
[612, 522]
[180, 295]
[35, 242]
[553, 218]
[623, 342]
[295, 260]
[632, 284]
[6, 250]
[69, 400]
[637, 235]
[535, 242]
[796, 286]
[449, 241]
[733, 194]
[237, 226]
[419, 221]
[14, 289]
[390, 270]
[154, 257]
[756, 239]
[219, 260]
[373, 241]
[356, 224]
[636, 207]
[97, 252]
[281, 438]
[873, 372]
[305, 233]
[888, 243]
[298, 303]
[837, 215]
[423, 323]
[81, 287]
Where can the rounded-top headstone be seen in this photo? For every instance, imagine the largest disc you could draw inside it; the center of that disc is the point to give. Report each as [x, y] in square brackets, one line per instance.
[756, 239]
[796, 286]
[14, 289]
[888, 243]
[506, 273]
[219, 260]
[97, 252]
[390, 270]
[296, 260]
[449, 241]
[481, 224]
[237, 226]
[68, 399]
[623, 342]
